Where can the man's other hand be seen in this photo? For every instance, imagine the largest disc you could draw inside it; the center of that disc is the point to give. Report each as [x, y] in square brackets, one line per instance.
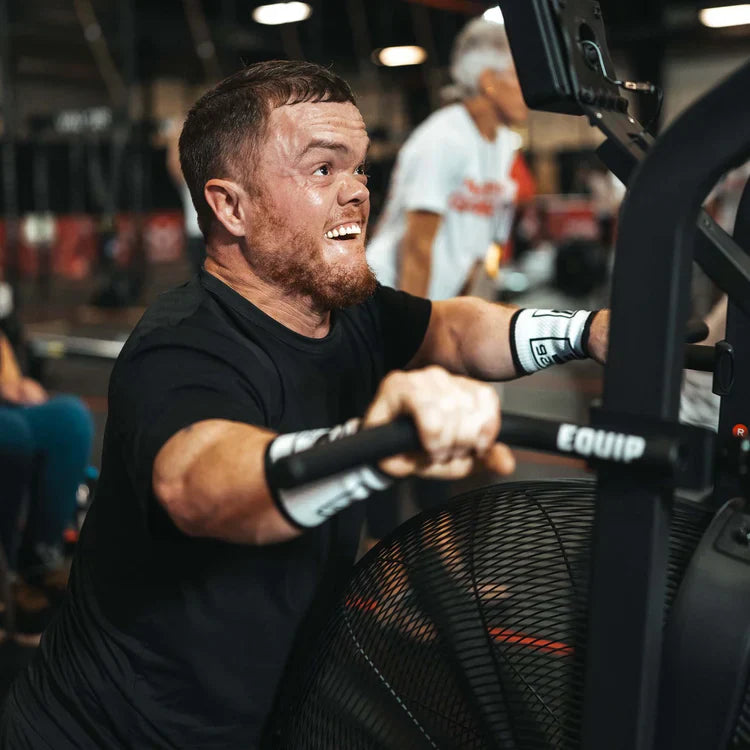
[458, 420]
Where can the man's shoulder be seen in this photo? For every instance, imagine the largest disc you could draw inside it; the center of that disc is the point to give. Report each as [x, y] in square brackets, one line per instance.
[189, 323]
[185, 323]
[171, 310]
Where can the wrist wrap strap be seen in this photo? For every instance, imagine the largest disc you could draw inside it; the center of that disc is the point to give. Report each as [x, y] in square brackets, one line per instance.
[314, 503]
[540, 338]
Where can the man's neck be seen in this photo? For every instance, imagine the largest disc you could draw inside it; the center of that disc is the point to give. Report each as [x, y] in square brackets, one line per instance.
[485, 116]
[292, 311]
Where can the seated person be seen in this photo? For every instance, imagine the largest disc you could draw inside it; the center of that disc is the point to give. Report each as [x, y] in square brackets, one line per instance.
[45, 445]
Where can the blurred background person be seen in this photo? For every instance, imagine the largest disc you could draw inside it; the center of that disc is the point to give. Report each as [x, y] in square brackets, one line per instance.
[452, 193]
[451, 202]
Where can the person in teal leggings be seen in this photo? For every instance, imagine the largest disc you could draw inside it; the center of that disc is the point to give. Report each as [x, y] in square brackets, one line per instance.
[45, 445]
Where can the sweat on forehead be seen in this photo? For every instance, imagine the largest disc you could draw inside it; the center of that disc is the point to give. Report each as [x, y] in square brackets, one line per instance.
[325, 126]
[335, 114]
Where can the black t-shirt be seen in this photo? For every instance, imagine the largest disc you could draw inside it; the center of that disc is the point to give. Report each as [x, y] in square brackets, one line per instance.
[167, 640]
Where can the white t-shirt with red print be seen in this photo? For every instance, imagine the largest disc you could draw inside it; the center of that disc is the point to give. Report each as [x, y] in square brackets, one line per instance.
[448, 168]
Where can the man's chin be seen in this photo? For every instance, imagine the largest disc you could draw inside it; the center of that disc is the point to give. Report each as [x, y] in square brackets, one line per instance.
[345, 291]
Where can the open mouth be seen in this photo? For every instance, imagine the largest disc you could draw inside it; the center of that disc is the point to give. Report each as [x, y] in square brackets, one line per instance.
[345, 232]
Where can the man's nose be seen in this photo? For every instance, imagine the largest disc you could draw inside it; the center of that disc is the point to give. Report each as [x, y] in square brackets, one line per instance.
[352, 190]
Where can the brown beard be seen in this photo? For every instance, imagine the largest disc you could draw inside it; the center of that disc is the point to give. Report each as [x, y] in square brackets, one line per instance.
[305, 272]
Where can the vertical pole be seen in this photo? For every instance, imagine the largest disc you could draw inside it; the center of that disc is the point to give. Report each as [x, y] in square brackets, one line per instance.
[647, 59]
[10, 185]
[134, 173]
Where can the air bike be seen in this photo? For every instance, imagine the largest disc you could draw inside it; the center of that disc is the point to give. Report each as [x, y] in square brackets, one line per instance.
[606, 615]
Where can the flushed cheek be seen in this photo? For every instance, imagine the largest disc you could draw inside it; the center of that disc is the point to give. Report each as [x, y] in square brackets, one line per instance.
[299, 194]
[311, 207]
[311, 195]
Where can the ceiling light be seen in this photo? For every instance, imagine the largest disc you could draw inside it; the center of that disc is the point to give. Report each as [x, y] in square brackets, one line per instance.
[394, 57]
[278, 13]
[494, 14]
[729, 15]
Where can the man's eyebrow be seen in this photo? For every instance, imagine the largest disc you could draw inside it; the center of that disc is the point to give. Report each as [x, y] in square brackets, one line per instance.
[328, 145]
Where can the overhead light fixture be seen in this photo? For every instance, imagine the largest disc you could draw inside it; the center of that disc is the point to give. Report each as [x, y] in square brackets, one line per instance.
[494, 14]
[394, 57]
[729, 15]
[278, 13]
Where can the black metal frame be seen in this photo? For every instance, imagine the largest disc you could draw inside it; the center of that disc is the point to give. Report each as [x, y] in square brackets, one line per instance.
[704, 690]
[654, 254]
[655, 249]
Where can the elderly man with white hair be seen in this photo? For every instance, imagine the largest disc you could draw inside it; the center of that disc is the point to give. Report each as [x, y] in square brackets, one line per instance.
[453, 191]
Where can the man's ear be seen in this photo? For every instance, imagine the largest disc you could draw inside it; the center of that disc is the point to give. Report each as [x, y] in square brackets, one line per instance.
[224, 198]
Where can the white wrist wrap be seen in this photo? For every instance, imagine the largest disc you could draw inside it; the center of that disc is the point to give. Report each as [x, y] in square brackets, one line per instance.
[314, 503]
[540, 338]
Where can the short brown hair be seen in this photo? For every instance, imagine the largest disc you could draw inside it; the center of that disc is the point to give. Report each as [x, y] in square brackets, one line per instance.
[234, 115]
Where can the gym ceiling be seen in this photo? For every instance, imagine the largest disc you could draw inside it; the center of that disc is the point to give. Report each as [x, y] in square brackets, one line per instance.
[47, 41]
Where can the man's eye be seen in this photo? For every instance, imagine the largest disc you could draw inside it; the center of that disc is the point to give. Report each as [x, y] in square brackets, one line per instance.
[324, 170]
[361, 169]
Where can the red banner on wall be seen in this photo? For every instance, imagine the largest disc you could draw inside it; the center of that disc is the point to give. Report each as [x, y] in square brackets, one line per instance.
[74, 251]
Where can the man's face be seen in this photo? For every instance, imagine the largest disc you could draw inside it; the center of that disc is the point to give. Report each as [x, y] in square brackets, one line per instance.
[309, 204]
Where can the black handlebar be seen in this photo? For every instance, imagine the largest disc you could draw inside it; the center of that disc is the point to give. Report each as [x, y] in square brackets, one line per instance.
[660, 453]
[401, 436]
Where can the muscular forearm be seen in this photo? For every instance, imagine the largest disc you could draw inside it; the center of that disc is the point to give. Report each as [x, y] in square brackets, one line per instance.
[469, 336]
[210, 478]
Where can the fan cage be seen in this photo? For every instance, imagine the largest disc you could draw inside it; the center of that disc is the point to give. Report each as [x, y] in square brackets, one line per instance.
[465, 628]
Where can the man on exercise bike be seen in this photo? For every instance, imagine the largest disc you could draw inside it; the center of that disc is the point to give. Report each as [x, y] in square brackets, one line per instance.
[194, 577]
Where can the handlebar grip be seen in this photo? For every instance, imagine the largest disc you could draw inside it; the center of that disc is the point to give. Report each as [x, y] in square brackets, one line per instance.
[365, 447]
[400, 436]
[657, 452]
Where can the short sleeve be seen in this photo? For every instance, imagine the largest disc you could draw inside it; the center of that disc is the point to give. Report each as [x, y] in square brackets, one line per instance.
[432, 171]
[403, 320]
[163, 389]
